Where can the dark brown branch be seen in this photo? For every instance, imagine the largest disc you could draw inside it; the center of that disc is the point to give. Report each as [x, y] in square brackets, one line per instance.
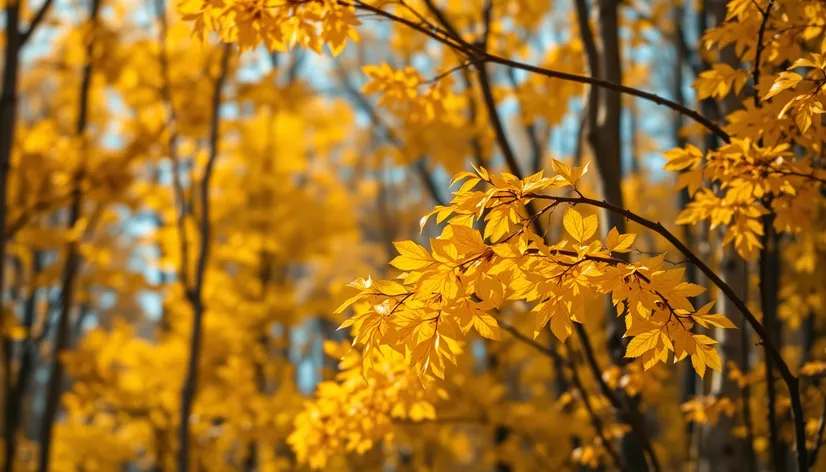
[755, 73]
[596, 421]
[530, 131]
[36, 20]
[634, 418]
[496, 122]
[54, 388]
[589, 120]
[442, 19]
[474, 51]
[195, 294]
[420, 166]
[821, 429]
[8, 120]
[792, 382]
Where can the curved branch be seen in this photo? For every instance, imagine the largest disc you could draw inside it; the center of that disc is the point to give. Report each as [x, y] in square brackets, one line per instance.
[38, 18]
[759, 51]
[792, 383]
[596, 421]
[421, 163]
[690, 257]
[634, 419]
[819, 436]
[473, 51]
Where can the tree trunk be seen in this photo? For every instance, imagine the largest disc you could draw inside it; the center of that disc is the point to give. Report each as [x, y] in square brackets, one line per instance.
[195, 293]
[604, 137]
[8, 119]
[62, 336]
[722, 451]
[17, 392]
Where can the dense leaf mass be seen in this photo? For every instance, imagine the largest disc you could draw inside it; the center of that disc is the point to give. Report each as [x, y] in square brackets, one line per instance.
[520, 215]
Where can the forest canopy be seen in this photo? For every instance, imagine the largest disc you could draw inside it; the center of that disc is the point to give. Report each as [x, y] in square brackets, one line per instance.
[578, 235]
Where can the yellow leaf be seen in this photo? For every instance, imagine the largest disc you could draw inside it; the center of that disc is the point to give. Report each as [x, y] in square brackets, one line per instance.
[679, 158]
[718, 321]
[784, 81]
[389, 288]
[691, 179]
[497, 223]
[562, 169]
[616, 242]
[467, 240]
[561, 325]
[570, 175]
[698, 361]
[581, 229]
[487, 327]
[642, 343]
[347, 303]
[411, 256]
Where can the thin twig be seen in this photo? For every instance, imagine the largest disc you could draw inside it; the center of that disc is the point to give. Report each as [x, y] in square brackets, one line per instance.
[821, 428]
[195, 295]
[633, 416]
[36, 20]
[792, 382]
[596, 421]
[472, 50]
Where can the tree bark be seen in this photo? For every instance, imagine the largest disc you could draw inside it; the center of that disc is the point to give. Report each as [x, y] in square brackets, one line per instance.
[604, 137]
[62, 336]
[8, 119]
[195, 293]
[721, 451]
[17, 392]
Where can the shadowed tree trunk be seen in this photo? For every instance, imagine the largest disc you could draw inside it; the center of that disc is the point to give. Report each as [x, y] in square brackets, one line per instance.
[15, 39]
[604, 127]
[8, 118]
[17, 391]
[195, 292]
[54, 388]
[719, 449]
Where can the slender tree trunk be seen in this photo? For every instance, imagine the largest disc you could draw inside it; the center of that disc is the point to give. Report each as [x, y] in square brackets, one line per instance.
[8, 119]
[195, 293]
[721, 450]
[689, 383]
[17, 392]
[769, 287]
[604, 137]
[55, 383]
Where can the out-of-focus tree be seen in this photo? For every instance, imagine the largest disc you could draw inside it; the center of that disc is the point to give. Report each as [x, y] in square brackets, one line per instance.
[188, 189]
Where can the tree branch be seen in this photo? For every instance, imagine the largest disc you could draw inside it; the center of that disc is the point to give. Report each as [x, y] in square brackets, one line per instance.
[36, 20]
[634, 419]
[792, 382]
[530, 131]
[195, 295]
[471, 50]
[420, 166]
[73, 260]
[596, 421]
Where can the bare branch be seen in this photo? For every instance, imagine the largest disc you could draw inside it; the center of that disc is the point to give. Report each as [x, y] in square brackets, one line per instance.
[195, 294]
[471, 51]
[596, 421]
[36, 20]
